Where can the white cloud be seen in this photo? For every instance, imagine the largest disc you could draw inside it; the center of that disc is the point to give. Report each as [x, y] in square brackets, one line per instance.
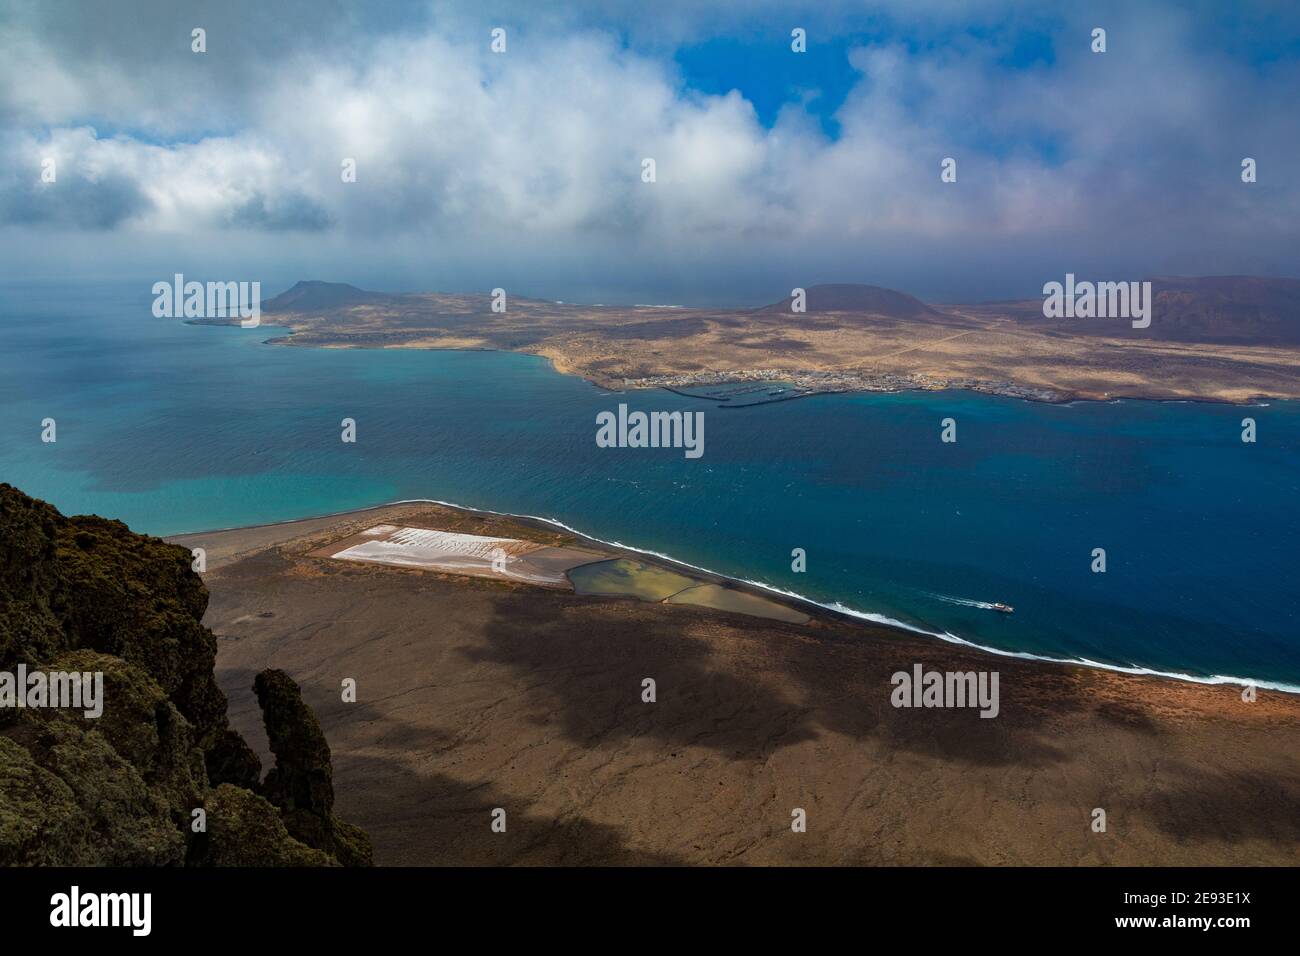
[541, 148]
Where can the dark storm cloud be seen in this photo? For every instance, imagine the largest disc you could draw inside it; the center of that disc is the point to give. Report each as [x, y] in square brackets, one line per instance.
[76, 203]
[285, 212]
[130, 65]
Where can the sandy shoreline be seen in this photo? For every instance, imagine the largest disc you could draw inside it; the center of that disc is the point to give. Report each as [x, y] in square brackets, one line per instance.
[265, 535]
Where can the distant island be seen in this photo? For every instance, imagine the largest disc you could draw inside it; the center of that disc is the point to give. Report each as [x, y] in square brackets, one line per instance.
[1220, 338]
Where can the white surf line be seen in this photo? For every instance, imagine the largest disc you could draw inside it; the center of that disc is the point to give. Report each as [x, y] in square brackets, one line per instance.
[876, 618]
[1025, 655]
[835, 607]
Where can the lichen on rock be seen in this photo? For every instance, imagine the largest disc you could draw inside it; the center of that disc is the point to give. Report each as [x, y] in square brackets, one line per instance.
[302, 782]
[88, 595]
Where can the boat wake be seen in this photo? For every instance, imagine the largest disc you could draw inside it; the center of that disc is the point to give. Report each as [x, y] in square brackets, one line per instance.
[964, 602]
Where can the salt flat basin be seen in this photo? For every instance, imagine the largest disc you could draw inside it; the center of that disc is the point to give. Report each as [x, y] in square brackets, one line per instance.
[587, 572]
[741, 602]
[455, 553]
[650, 583]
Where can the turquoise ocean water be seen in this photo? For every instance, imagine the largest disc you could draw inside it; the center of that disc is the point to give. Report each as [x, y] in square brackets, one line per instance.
[179, 428]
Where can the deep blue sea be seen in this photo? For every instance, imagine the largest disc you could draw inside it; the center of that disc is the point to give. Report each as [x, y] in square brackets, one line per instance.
[178, 428]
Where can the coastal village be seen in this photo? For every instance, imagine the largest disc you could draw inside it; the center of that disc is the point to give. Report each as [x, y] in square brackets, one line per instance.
[786, 384]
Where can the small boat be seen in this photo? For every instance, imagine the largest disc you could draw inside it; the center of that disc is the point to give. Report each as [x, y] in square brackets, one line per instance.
[1003, 608]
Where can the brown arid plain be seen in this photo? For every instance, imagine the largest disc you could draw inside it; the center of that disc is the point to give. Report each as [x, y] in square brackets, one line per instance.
[1223, 338]
[476, 694]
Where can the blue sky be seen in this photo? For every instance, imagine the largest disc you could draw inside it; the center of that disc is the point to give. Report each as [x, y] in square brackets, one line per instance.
[765, 74]
[774, 169]
[758, 64]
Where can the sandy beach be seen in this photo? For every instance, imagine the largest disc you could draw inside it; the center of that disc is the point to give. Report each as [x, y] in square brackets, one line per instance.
[475, 694]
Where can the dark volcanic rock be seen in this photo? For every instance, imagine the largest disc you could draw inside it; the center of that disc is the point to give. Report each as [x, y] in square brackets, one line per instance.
[851, 297]
[87, 595]
[245, 830]
[316, 296]
[1247, 310]
[1227, 310]
[302, 782]
[231, 760]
